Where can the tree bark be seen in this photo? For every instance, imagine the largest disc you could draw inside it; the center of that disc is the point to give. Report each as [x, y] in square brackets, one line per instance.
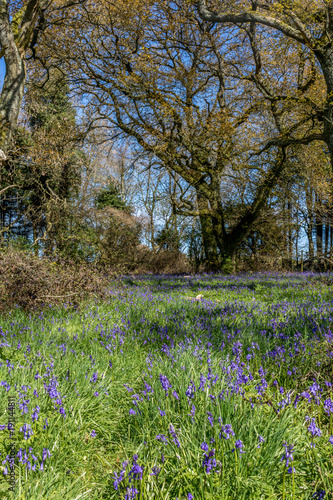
[208, 236]
[13, 86]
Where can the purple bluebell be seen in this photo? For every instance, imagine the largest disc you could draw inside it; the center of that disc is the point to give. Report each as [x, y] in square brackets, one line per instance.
[209, 461]
[204, 446]
[165, 384]
[174, 435]
[155, 471]
[27, 431]
[288, 455]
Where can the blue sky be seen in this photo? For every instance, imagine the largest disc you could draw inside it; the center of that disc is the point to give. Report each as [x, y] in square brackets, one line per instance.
[2, 70]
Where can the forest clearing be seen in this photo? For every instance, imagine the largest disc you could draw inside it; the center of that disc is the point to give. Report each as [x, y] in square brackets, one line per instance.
[155, 393]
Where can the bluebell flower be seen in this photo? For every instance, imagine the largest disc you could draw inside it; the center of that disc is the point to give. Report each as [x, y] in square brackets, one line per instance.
[318, 495]
[174, 435]
[261, 440]
[162, 413]
[209, 462]
[314, 430]
[155, 471]
[204, 446]
[226, 431]
[162, 437]
[288, 455]
[27, 431]
[210, 418]
[136, 470]
[165, 384]
[190, 390]
[46, 453]
[131, 493]
[239, 446]
[35, 413]
[118, 479]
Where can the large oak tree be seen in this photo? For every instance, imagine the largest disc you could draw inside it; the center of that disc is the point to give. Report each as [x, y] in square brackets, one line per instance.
[161, 76]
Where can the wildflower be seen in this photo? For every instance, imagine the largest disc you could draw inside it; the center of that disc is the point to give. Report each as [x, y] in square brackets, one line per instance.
[190, 496]
[226, 429]
[331, 440]
[162, 413]
[132, 412]
[155, 471]
[93, 433]
[175, 395]
[162, 437]
[96, 393]
[319, 494]
[192, 413]
[261, 440]
[314, 430]
[118, 479]
[204, 446]
[328, 406]
[27, 431]
[36, 411]
[46, 453]
[209, 463]
[210, 418]
[288, 454]
[190, 390]
[165, 384]
[131, 493]
[174, 435]
[239, 446]
[202, 382]
[136, 471]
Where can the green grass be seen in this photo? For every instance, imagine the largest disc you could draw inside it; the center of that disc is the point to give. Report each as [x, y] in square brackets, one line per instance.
[155, 329]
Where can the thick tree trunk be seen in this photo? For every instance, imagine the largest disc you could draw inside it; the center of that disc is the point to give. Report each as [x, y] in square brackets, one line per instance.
[15, 77]
[208, 237]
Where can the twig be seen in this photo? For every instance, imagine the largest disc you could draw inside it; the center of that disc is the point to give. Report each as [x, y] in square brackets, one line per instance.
[59, 296]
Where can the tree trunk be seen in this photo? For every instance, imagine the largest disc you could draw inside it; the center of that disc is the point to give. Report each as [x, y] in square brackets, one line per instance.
[327, 228]
[319, 228]
[14, 81]
[208, 237]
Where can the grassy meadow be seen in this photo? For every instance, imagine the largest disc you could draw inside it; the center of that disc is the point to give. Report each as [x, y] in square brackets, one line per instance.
[157, 394]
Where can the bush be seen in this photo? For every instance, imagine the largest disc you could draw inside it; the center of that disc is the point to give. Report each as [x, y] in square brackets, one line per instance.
[30, 282]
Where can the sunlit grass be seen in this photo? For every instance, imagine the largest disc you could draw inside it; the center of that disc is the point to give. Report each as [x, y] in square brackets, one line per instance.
[247, 349]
